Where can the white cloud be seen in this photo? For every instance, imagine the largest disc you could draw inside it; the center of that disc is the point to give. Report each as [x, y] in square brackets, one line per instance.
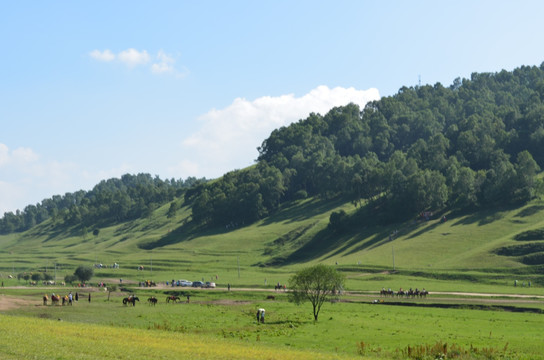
[10, 194]
[165, 63]
[4, 154]
[24, 155]
[18, 157]
[229, 137]
[105, 55]
[162, 63]
[16, 165]
[133, 57]
[26, 178]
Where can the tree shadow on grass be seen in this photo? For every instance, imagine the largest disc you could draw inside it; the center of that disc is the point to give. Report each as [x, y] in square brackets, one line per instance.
[425, 227]
[290, 322]
[367, 229]
[59, 232]
[320, 244]
[487, 216]
[333, 243]
[299, 211]
[187, 231]
[531, 210]
[481, 218]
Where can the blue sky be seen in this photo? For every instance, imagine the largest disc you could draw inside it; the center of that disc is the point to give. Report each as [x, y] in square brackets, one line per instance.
[93, 90]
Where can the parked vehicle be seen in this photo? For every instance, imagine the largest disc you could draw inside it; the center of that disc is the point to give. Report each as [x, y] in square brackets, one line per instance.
[198, 284]
[209, 284]
[185, 283]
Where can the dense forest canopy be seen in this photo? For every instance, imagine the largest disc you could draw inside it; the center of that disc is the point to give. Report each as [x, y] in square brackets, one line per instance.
[474, 144]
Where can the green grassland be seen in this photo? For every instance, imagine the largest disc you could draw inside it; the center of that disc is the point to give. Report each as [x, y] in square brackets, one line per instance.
[222, 324]
[465, 247]
[469, 253]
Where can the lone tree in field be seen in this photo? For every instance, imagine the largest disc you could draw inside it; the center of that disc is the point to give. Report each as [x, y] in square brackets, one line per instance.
[111, 288]
[84, 273]
[315, 284]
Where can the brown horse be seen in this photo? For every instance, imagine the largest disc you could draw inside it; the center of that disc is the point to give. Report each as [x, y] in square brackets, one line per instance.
[45, 299]
[152, 301]
[131, 299]
[172, 298]
[55, 299]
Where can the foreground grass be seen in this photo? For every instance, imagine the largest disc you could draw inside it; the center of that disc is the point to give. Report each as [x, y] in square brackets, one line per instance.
[216, 319]
[27, 338]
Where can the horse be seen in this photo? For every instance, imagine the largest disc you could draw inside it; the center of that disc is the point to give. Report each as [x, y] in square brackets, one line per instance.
[172, 298]
[386, 293]
[278, 286]
[45, 298]
[152, 301]
[55, 299]
[131, 299]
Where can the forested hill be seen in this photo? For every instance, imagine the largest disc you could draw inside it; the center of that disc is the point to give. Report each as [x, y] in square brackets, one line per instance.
[474, 144]
[109, 202]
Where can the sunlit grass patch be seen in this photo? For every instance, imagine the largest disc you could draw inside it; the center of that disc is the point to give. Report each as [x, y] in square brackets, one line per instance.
[26, 338]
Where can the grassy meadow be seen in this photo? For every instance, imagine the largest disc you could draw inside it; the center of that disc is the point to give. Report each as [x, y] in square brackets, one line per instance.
[451, 259]
[219, 324]
[462, 248]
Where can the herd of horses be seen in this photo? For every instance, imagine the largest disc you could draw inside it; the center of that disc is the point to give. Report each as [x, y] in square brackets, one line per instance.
[411, 293]
[151, 300]
[56, 299]
[129, 300]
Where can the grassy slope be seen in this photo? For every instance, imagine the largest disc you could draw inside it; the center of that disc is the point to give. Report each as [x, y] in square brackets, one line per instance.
[296, 236]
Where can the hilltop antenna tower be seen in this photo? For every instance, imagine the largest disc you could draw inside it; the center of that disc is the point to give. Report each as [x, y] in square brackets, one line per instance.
[419, 80]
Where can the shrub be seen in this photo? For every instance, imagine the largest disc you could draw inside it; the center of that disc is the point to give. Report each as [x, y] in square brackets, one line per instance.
[338, 220]
[301, 195]
[69, 279]
[84, 273]
[529, 235]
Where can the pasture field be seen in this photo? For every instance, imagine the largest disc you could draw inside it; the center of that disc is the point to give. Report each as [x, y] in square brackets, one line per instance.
[26, 338]
[469, 253]
[220, 324]
[275, 247]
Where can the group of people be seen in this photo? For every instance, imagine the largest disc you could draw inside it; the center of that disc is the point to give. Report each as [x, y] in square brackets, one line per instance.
[279, 286]
[66, 299]
[522, 284]
[407, 293]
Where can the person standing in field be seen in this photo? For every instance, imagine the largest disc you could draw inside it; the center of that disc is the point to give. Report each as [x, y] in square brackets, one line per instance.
[89, 298]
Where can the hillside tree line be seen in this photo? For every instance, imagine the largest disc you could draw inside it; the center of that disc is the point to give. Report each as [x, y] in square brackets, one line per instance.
[110, 201]
[475, 144]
